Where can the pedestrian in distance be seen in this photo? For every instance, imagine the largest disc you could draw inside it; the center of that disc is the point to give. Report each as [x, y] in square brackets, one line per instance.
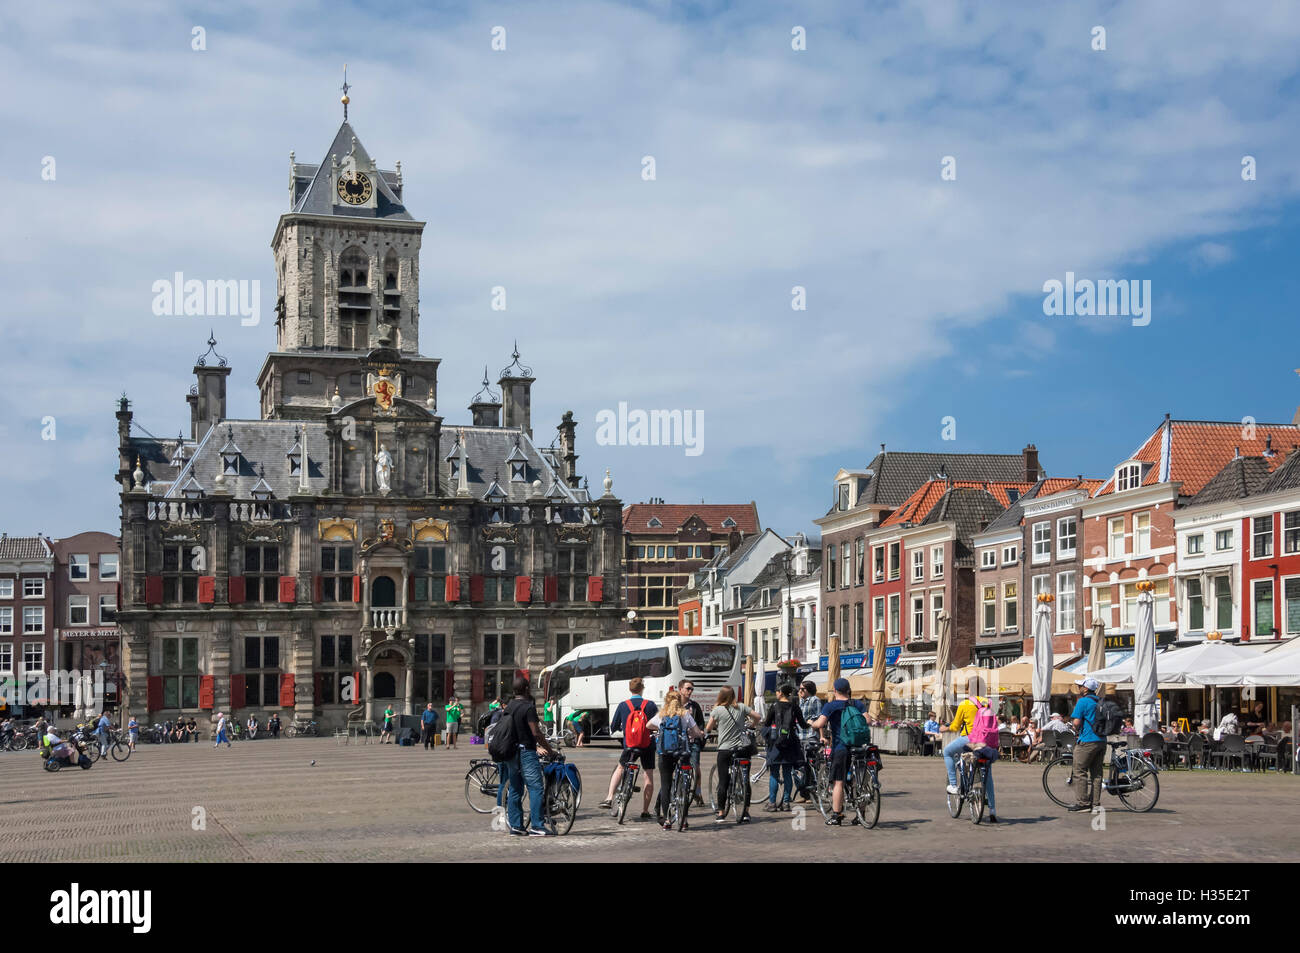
[132, 733]
[222, 731]
[386, 736]
[429, 726]
[452, 712]
[730, 718]
[832, 720]
[784, 751]
[274, 725]
[102, 728]
[632, 717]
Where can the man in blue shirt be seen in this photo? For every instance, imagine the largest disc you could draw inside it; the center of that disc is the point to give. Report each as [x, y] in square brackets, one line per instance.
[1089, 751]
[429, 725]
[645, 754]
[101, 732]
[830, 719]
[933, 730]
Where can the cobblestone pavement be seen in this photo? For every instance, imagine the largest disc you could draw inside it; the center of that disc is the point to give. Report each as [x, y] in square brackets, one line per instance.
[265, 800]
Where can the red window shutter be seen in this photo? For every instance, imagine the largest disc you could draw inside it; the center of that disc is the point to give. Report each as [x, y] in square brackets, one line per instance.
[448, 683]
[356, 688]
[208, 589]
[286, 690]
[596, 589]
[236, 691]
[153, 590]
[356, 588]
[476, 588]
[523, 673]
[207, 689]
[453, 589]
[523, 589]
[316, 681]
[317, 589]
[154, 690]
[551, 589]
[288, 589]
[476, 685]
[236, 591]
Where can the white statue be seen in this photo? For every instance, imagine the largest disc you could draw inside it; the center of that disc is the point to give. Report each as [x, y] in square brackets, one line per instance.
[383, 469]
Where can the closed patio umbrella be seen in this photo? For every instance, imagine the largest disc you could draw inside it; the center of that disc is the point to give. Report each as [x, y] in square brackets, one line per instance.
[1097, 648]
[878, 676]
[1043, 658]
[1145, 710]
[943, 663]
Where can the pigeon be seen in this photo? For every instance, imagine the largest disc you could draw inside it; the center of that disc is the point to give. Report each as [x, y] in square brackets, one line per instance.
[312, 765]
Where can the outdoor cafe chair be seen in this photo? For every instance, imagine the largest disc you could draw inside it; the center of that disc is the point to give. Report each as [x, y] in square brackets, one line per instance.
[1006, 743]
[1266, 754]
[1156, 742]
[1196, 754]
[1233, 749]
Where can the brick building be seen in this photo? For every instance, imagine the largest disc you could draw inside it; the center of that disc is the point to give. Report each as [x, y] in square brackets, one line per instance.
[86, 574]
[26, 616]
[347, 550]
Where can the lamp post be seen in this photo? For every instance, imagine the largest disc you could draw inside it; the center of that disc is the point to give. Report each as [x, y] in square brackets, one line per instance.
[631, 620]
[788, 609]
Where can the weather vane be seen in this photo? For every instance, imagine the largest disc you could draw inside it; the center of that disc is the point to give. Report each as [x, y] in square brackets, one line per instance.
[344, 98]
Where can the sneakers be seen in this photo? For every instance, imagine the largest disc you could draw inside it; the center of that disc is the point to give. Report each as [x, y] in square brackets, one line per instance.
[952, 789]
[745, 819]
[719, 818]
[785, 806]
[605, 805]
[1075, 808]
[645, 815]
[698, 802]
[769, 807]
[835, 820]
[539, 832]
[518, 831]
[993, 818]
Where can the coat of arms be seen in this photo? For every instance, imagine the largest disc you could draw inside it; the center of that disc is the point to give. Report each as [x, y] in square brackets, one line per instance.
[384, 390]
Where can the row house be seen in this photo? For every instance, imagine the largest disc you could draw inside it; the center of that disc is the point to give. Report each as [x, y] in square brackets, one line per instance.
[864, 561]
[26, 616]
[1032, 547]
[721, 585]
[664, 543]
[1130, 533]
[86, 576]
[933, 536]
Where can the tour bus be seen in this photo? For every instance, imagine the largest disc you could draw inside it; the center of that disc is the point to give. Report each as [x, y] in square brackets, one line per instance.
[594, 677]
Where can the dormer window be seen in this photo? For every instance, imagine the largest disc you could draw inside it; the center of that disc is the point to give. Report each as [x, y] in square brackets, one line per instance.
[191, 490]
[767, 597]
[654, 522]
[728, 523]
[517, 474]
[455, 469]
[842, 501]
[1128, 476]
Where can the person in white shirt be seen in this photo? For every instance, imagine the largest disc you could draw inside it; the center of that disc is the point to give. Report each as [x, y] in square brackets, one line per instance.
[1057, 723]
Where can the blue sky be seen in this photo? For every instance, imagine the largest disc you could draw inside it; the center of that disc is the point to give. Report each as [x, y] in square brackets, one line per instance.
[775, 168]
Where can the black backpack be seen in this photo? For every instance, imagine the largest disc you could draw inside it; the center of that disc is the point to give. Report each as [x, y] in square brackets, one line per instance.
[501, 742]
[1108, 719]
[783, 723]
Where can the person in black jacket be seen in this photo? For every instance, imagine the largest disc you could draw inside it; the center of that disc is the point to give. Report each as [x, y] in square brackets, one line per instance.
[686, 688]
[784, 750]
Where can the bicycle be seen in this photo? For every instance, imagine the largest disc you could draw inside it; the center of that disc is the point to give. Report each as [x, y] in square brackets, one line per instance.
[738, 787]
[1133, 778]
[482, 785]
[117, 744]
[681, 791]
[305, 729]
[566, 736]
[862, 786]
[626, 788]
[971, 777]
[810, 776]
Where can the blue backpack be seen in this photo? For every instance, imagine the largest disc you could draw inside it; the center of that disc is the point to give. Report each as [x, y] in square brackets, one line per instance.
[672, 735]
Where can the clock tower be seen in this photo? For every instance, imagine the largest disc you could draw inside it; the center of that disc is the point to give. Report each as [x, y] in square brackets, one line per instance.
[347, 260]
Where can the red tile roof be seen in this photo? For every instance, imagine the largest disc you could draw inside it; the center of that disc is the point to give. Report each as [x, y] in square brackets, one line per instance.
[1199, 449]
[917, 506]
[1061, 484]
[637, 516]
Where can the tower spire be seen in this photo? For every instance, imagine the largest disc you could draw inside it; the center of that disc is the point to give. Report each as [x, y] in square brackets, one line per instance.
[344, 98]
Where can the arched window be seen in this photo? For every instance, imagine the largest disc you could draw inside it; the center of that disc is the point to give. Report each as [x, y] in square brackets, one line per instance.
[392, 295]
[354, 301]
[383, 592]
[385, 685]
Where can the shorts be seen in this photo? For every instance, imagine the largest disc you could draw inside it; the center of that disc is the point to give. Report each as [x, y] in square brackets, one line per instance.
[453, 727]
[645, 755]
[839, 763]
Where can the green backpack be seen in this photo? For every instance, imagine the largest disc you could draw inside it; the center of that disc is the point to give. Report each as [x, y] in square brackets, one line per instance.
[854, 730]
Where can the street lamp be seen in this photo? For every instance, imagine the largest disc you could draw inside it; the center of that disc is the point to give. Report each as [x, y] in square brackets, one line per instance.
[786, 561]
[631, 619]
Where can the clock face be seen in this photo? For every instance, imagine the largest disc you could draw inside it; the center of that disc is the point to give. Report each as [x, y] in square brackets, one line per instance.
[355, 188]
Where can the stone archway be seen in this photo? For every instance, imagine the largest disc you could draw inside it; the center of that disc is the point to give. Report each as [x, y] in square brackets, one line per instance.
[389, 666]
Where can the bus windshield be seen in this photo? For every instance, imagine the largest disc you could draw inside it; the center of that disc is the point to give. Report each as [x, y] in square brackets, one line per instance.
[707, 656]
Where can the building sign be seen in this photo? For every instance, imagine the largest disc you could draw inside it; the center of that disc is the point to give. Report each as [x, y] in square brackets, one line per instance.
[1129, 640]
[87, 633]
[861, 659]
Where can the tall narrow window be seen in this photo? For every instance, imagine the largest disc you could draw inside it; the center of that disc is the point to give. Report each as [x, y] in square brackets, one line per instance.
[1065, 602]
[990, 606]
[1263, 614]
[1010, 607]
[1195, 605]
[1262, 544]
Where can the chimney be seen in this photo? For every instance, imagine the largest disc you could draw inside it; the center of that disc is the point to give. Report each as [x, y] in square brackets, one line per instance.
[485, 407]
[208, 399]
[1032, 471]
[516, 394]
[568, 456]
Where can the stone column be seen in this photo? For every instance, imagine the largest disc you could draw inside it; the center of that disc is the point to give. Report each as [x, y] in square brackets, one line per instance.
[219, 661]
[368, 681]
[304, 685]
[462, 657]
[538, 648]
[410, 685]
[135, 667]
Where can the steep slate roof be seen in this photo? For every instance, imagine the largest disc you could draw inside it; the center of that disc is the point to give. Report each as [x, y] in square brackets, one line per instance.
[895, 475]
[1192, 452]
[967, 507]
[917, 507]
[24, 547]
[636, 517]
[311, 187]
[1238, 478]
[1285, 477]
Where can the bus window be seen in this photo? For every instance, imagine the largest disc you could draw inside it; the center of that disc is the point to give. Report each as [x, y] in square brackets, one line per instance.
[706, 656]
[625, 667]
[653, 663]
[584, 666]
[559, 682]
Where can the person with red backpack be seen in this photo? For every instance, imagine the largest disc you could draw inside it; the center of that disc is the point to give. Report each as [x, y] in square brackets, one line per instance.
[632, 717]
[977, 725]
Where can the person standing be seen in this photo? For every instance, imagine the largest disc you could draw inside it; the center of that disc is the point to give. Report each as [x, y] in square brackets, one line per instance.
[1089, 751]
[525, 768]
[429, 726]
[132, 732]
[674, 730]
[386, 736]
[784, 722]
[101, 732]
[452, 711]
[221, 735]
[635, 713]
[830, 719]
[686, 688]
[810, 706]
[548, 718]
[729, 718]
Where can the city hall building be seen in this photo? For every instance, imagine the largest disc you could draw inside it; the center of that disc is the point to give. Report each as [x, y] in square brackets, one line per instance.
[349, 550]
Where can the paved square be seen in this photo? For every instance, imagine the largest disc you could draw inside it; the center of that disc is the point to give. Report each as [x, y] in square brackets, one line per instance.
[265, 801]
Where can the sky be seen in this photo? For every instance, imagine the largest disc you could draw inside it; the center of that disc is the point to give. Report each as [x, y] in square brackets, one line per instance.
[775, 169]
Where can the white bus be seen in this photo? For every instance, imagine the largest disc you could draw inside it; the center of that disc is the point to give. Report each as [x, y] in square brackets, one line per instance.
[593, 677]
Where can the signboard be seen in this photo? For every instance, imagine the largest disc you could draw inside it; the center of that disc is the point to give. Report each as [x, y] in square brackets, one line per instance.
[862, 659]
[1128, 641]
[66, 634]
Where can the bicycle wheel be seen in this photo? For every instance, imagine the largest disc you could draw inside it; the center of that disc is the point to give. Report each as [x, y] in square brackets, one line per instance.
[20, 743]
[867, 805]
[563, 805]
[1143, 794]
[757, 768]
[624, 798]
[975, 803]
[713, 792]
[481, 785]
[955, 800]
[1058, 780]
[120, 751]
[291, 731]
[570, 739]
[740, 795]
[92, 752]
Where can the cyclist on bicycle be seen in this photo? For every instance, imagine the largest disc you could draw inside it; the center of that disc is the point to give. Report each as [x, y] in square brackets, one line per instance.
[977, 740]
[644, 751]
[829, 720]
[686, 688]
[684, 730]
